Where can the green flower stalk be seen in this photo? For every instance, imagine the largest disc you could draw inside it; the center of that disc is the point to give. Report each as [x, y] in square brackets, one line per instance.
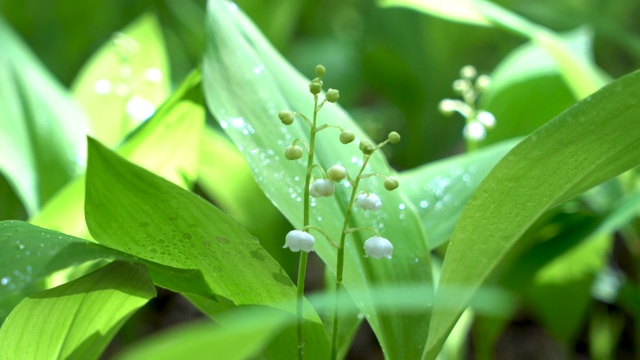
[301, 240]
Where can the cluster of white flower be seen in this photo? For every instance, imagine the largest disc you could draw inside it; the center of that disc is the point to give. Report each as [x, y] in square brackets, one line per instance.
[324, 186]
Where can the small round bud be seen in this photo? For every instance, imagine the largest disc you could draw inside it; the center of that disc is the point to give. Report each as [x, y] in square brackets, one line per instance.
[447, 107]
[322, 188]
[474, 131]
[293, 152]
[468, 72]
[367, 147]
[332, 95]
[297, 240]
[315, 88]
[337, 173]
[460, 86]
[378, 247]
[483, 82]
[394, 137]
[487, 119]
[391, 183]
[368, 202]
[320, 70]
[347, 137]
[286, 117]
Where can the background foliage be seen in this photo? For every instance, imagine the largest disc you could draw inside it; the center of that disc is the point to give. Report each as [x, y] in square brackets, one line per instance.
[392, 65]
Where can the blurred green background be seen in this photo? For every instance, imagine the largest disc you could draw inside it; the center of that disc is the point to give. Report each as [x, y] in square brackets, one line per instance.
[392, 66]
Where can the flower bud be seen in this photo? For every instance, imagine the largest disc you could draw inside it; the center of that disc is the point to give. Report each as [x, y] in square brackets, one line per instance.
[297, 240]
[483, 81]
[468, 72]
[369, 202]
[315, 88]
[474, 131]
[320, 70]
[394, 137]
[293, 152]
[487, 119]
[286, 117]
[377, 247]
[332, 95]
[447, 107]
[367, 147]
[337, 173]
[460, 86]
[321, 188]
[391, 183]
[346, 137]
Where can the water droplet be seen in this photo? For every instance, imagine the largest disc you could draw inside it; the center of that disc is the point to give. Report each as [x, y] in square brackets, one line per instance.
[424, 204]
[139, 109]
[153, 75]
[102, 86]
[5, 280]
[258, 69]
[401, 206]
[417, 260]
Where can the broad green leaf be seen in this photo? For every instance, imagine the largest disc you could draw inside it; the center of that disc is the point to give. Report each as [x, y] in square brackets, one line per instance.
[527, 89]
[166, 144]
[125, 80]
[29, 254]
[581, 75]
[439, 190]
[237, 188]
[237, 335]
[132, 210]
[76, 320]
[10, 205]
[42, 129]
[246, 83]
[462, 11]
[589, 143]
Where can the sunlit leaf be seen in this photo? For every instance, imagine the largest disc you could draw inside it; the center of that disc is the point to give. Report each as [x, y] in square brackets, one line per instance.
[42, 129]
[439, 190]
[238, 335]
[581, 75]
[527, 89]
[166, 144]
[591, 142]
[29, 254]
[246, 83]
[125, 80]
[132, 210]
[78, 319]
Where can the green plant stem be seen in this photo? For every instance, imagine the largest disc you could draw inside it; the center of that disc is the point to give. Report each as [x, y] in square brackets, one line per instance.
[302, 266]
[340, 261]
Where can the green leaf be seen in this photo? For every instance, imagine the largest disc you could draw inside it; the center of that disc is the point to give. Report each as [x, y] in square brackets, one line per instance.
[527, 89]
[29, 254]
[41, 128]
[439, 190]
[239, 334]
[462, 11]
[127, 74]
[166, 144]
[78, 319]
[589, 143]
[581, 75]
[231, 193]
[132, 210]
[246, 83]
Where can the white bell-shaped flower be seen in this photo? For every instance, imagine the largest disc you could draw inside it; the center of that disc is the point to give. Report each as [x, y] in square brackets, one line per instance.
[369, 202]
[297, 240]
[321, 188]
[377, 247]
